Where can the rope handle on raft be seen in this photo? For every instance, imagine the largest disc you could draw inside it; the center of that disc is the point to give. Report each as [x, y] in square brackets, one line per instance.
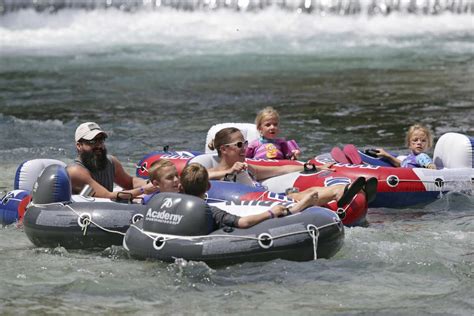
[265, 240]
[119, 199]
[84, 220]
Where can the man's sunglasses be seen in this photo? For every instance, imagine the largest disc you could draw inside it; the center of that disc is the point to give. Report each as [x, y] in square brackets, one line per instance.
[239, 144]
[93, 142]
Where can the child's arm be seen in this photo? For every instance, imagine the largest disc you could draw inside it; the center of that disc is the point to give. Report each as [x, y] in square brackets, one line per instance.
[279, 210]
[393, 160]
[250, 220]
[250, 151]
[291, 150]
[425, 161]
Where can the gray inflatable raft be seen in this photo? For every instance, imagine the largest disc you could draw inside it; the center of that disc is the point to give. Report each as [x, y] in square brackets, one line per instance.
[181, 226]
[57, 218]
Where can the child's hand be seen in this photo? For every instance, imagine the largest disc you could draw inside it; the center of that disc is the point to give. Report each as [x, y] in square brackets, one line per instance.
[382, 153]
[295, 154]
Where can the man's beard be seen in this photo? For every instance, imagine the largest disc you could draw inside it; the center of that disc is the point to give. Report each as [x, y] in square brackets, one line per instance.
[94, 160]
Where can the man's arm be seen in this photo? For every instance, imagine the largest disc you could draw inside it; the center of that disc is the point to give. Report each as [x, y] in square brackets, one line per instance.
[80, 177]
[121, 177]
[127, 182]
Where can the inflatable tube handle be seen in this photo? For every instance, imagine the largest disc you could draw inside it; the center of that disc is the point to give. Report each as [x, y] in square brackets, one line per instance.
[230, 177]
[128, 199]
[307, 168]
[372, 152]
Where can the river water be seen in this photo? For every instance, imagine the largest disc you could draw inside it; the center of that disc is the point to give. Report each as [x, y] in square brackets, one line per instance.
[165, 77]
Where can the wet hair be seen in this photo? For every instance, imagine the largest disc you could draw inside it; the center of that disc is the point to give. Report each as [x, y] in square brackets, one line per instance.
[419, 127]
[194, 179]
[222, 137]
[154, 173]
[266, 113]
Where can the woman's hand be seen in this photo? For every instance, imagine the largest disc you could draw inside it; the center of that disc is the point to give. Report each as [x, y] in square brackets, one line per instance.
[238, 167]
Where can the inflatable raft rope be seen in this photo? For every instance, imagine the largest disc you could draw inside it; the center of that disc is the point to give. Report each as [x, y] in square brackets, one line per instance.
[265, 240]
[55, 217]
[177, 225]
[84, 219]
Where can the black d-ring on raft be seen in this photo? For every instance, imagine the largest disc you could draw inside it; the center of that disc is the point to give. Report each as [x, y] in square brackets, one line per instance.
[228, 229]
[393, 181]
[84, 219]
[121, 199]
[230, 177]
[341, 213]
[372, 152]
[7, 198]
[307, 169]
[313, 231]
[144, 167]
[265, 240]
[439, 182]
[136, 218]
[159, 243]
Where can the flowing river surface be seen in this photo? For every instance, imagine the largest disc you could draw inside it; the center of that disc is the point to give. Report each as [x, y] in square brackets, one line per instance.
[155, 78]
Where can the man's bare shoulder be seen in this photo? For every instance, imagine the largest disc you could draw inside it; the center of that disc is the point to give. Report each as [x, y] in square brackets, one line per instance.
[77, 171]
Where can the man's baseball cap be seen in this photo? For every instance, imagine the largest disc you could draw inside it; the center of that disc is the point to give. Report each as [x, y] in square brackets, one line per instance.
[88, 131]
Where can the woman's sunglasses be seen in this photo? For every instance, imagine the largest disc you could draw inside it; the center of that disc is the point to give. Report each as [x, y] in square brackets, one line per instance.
[239, 144]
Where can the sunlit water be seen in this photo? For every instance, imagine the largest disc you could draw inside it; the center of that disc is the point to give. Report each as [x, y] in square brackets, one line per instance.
[158, 78]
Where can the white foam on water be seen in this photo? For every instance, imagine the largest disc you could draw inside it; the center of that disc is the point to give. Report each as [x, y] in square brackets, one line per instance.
[39, 123]
[220, 31]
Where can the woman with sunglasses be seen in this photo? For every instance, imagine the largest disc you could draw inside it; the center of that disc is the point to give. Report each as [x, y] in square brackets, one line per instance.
[231, 145]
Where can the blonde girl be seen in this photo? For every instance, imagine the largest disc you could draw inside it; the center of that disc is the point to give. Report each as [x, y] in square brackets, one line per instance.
[418, 139]
[269, 146]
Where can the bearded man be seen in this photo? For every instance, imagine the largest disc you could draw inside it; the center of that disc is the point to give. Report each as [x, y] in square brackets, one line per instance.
[100, 171]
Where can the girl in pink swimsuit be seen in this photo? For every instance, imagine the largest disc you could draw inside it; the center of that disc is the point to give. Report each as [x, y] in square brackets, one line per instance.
[268, 146]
